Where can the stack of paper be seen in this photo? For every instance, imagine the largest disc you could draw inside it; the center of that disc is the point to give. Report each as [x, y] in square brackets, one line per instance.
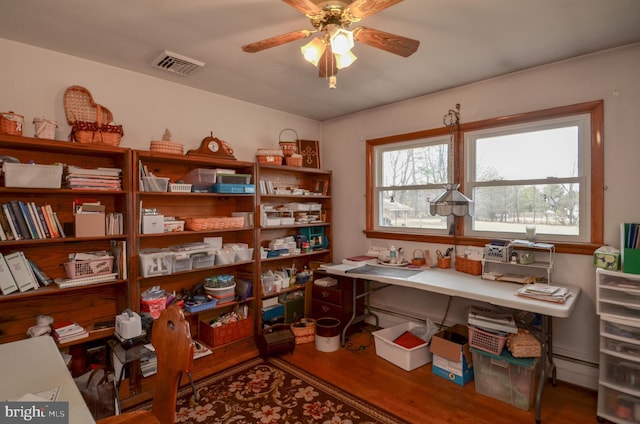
[76, 177]
[492, 320]
[67, 331]
[545, 292]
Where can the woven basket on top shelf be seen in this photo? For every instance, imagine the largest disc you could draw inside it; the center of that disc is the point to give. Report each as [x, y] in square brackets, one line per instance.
[165, 146]
[11, 123]
[89, 121]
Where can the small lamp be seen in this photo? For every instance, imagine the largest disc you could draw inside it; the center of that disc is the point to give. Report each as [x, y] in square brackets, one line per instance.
[344, 60]
[313, 50]
[341, 40]
[451, 202]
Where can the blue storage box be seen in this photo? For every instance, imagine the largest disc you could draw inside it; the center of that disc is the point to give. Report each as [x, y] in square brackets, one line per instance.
[233, 188]
[200, 306]
[273, 312]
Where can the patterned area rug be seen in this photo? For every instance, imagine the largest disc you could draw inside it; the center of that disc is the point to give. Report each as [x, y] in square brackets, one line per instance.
[273, 391]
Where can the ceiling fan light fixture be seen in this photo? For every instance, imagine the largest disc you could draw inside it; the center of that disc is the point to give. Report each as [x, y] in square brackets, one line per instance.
[341, 40]
[313, 50]
[344, 60]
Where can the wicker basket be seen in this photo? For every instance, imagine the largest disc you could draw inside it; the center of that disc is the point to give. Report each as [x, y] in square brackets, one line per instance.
[170, 147]
[11, 123]
[304, 330]
[89, 121]
[294, 160]
[468, 266]
[203, 223]
[269, 156]
[524, 345]
[45, 128]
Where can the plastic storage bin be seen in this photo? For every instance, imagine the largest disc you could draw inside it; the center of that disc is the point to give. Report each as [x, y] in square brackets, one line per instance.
[155, 184]
[511, 380]
[201, 179]
[25, 175]
[407, 359]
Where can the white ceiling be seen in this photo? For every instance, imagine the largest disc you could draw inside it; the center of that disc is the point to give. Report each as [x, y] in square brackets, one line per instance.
[461, 41]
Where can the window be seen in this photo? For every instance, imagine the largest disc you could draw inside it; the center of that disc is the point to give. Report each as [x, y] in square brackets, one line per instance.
[530, 174]
[408, 175]
[543, 168]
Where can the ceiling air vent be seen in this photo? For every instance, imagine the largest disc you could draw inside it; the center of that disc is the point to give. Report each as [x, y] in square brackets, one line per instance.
[176, 63]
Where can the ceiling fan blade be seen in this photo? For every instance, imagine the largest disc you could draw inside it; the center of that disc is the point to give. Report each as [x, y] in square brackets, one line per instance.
[276, 41]
[362, 8]
[402, 46]
[327, 65]
[307, 7]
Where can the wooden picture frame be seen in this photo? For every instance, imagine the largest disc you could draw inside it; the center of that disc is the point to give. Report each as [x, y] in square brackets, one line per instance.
[310, 151]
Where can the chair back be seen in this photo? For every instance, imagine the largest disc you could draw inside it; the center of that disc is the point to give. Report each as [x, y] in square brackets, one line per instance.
[171, 338]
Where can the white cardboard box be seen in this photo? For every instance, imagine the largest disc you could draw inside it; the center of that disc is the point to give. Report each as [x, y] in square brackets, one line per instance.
[407, 359]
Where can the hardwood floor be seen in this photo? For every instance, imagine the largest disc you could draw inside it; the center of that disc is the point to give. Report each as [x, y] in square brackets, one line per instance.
[421, 397]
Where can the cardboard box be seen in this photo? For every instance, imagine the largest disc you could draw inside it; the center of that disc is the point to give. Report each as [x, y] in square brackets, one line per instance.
[406, 358]
[91, 221]
[451, 355]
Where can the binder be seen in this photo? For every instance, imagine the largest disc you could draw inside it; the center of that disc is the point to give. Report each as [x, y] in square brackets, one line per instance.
[7, 283]
[21, 271]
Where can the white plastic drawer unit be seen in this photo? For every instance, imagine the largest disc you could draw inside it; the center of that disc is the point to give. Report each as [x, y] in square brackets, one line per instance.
[618, 294]
[620, 373]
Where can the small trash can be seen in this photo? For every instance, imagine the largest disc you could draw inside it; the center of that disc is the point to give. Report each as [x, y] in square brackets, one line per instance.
[327, 334]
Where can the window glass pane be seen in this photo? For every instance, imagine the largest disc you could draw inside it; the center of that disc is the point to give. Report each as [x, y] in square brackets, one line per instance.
[415, 166]
[528, 155]
[552, 208]
[409, 209]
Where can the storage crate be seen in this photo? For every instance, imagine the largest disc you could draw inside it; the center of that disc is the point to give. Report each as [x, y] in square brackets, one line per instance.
[203, 261]
[80, 269]
[233, 188]
[218, 336]
[233, 178]
[505, 378]
[25, 175]
[182, 264]
[200, 177]
[407, 359]
[155, 184]
[484, 340]
[179, 188]
[155, 262]
[497, 253]
[193, 307]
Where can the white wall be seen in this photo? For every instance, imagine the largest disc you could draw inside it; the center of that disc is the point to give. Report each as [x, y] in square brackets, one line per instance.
[611, 75]
[33, 83]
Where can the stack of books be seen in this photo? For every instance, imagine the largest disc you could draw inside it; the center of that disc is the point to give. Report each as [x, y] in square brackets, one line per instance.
[75, 177]
[26, 221]
[67, 331]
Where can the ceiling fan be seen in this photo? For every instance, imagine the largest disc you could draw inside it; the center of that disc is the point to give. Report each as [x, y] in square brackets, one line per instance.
[333, 20]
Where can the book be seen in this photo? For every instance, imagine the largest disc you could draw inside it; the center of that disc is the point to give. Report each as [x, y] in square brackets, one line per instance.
[48, 217]
[41, 276]
[7, 216]
[3, 235]
[59, 225]
[43, 223]
[31, 208]
[18, 218]
[7, 282]
[70, 338]
[67, 328]
[31, 228]
[20, 271]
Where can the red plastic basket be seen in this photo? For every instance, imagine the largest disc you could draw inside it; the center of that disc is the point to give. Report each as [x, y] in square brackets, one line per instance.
[483, 340]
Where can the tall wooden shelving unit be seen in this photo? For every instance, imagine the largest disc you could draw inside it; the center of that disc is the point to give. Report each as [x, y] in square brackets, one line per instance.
[87, 305]
[189, 204]
[284, 180]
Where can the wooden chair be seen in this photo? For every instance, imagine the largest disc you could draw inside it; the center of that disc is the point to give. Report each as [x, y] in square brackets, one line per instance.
[171, 339]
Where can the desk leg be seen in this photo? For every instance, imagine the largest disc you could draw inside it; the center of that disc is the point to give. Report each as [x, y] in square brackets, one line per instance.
[546, 363]
[367, 307]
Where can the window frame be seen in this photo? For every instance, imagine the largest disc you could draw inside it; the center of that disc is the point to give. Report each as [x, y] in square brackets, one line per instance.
[595, 109]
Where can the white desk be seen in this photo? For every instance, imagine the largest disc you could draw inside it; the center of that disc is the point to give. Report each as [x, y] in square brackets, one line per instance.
[35, 365]
[453, 283]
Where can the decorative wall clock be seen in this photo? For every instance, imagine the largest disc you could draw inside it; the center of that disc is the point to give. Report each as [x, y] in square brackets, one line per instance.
[213, 147]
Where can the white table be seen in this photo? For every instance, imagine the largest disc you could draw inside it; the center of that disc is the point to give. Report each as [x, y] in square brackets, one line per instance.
[35, 365]
[452, 283]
